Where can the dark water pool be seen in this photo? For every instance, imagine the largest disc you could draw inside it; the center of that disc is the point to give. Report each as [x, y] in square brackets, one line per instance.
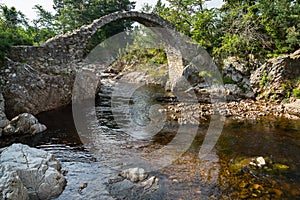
[223, 175]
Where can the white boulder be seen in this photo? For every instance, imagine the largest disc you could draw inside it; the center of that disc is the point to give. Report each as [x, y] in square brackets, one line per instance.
[24, 124]
[134, 174]
[38, 171]
[11, 186]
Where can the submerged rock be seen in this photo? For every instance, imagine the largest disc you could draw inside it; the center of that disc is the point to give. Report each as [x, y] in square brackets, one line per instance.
[134, 174]
[36, 170]
[24, 124]
[259, 162]
[148, 183]
[124, 188]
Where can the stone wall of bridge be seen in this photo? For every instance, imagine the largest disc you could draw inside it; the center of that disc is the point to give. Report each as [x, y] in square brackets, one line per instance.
[72, 46]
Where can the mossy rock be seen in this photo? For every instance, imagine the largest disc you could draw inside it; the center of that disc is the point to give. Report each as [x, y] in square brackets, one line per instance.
[280, 167]
[238, 165]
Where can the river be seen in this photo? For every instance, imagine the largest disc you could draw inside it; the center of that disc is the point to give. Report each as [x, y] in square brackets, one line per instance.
[217, 177]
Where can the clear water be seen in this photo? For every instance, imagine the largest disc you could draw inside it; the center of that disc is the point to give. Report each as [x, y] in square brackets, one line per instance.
[187, 177]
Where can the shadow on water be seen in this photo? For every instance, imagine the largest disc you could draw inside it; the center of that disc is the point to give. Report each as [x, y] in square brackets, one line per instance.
[278, 141]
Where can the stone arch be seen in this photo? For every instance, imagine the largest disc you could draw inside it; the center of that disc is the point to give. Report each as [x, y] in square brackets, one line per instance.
[71, 47]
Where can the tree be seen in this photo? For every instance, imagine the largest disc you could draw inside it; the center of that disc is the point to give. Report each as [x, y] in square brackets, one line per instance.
[241, 32]
[12, 30]
[281, 21]
[44, 25]
[264, 28]
[193, 19]
[73, 14]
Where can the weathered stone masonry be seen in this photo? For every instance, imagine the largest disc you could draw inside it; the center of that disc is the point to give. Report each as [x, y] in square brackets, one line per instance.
[71, 47]
[41, 78]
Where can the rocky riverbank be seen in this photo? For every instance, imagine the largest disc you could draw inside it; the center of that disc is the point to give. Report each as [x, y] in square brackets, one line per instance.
[34, 90]
[252, 90]
[236, 110]
[22, 124]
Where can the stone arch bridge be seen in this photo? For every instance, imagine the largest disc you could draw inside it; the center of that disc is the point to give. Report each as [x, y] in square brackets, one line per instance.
[71, 47]
[55, 60]
[64, 50]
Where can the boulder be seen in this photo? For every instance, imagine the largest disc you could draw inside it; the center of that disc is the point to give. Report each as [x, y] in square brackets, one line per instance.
[120, 188]
[24, 124]
[238, 72]
[134, 174]
[11, 186]
[37, 170]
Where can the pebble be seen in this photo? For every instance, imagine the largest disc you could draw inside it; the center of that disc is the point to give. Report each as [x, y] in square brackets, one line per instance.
[82, 186]
[148, 183]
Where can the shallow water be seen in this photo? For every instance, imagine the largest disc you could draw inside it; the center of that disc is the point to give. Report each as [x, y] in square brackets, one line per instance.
[187, 177]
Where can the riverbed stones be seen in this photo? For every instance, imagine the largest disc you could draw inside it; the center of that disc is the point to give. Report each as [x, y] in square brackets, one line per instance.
[24, 123]
[259, 162]
[36, 170]
[123, 188]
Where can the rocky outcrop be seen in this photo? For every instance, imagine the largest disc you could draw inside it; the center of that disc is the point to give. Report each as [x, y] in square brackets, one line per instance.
[28, 91]
[237, 72]
[29, 172]
[24, 124]
[277, 77]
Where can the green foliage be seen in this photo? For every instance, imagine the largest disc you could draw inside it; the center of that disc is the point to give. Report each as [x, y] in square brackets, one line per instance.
[264, 81]
[146, 47]
[73, 14]
[263, 28]
[192, 19]
[227, 80]
[280, 19]
[44, 26]
[12, 30]
[205, 74]
[296, 93]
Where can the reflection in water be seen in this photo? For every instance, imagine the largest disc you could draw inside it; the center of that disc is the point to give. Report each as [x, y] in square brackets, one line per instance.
[187, 177]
